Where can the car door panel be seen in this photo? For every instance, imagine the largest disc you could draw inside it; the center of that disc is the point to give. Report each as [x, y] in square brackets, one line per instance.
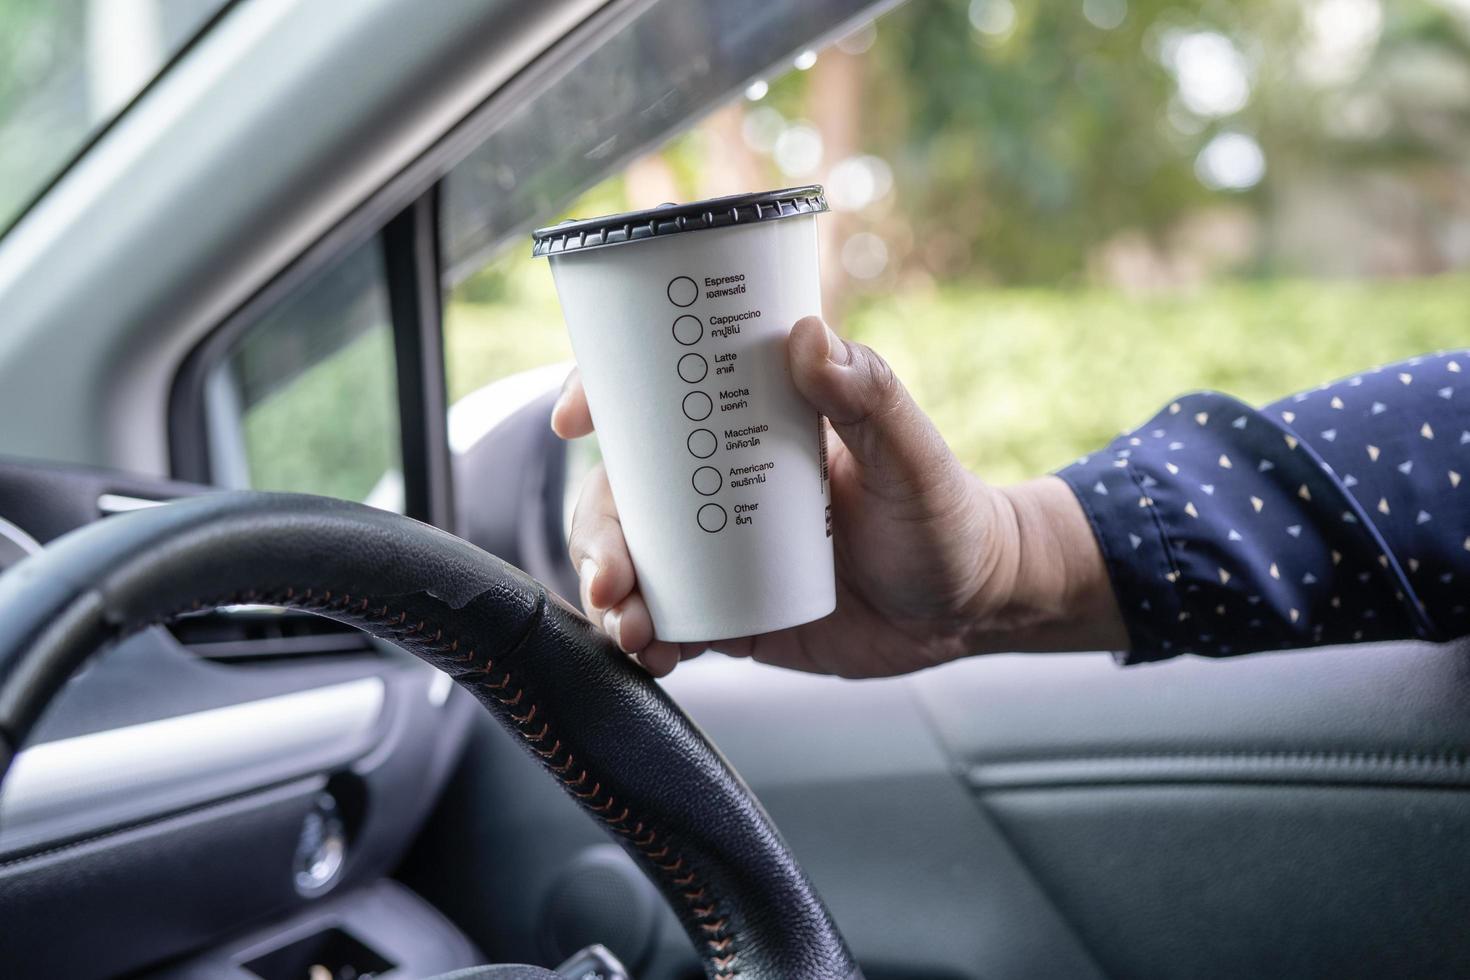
[1232, 880]
[1042, 816]
[1286, 814]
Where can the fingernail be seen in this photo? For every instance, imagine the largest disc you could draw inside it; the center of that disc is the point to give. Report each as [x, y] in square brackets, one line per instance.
[556, 410]
[612, 625]
[586, 572]
[836, 349]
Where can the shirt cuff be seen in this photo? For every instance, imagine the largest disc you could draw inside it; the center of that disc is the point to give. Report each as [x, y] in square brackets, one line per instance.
[1120, 508]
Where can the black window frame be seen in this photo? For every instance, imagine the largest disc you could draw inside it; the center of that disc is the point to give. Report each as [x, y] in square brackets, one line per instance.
[409, 244]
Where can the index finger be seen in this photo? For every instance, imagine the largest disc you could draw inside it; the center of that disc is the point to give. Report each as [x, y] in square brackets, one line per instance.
[570, 416]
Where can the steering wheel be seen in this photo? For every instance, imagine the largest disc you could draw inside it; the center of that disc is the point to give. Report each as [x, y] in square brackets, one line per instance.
[595, 722]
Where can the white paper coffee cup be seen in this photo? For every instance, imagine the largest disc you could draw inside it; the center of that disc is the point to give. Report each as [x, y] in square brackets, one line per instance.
[679, 318]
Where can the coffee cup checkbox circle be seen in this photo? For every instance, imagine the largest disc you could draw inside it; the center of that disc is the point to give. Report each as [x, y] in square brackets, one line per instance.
[712, 518]
[693, 368]
[707, 481]
[688, 329]
[683, 291]
[698, 406]
[703, 443]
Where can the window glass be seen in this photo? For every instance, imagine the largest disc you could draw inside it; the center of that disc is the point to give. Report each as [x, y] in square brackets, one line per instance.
[644, 84]
[67, 67]
[307, 400]
[1049, 217]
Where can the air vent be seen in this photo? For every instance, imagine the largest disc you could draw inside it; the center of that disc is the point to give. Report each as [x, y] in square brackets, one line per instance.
[242, 634]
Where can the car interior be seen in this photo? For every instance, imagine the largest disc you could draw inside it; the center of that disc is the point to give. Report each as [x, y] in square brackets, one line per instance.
[242, 276]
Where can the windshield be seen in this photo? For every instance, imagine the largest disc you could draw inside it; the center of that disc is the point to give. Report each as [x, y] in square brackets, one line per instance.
[70, 66]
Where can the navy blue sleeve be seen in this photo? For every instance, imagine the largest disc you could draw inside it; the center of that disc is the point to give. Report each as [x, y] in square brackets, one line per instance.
[1336, 515]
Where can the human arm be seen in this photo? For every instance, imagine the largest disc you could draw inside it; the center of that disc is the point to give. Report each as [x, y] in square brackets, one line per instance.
[1335, 515]
[1214, 529]
[932, 562]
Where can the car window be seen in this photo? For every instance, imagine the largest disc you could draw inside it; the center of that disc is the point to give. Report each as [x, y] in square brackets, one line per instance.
[69, 67]
[306, 399]
[1049, 217]
[644, 84]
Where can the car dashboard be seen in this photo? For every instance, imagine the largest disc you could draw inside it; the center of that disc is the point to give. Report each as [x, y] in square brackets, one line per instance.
[240, 781]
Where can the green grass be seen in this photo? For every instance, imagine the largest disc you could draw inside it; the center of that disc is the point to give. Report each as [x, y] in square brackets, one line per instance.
[1019, 381]
[487, 341]
[334, 429]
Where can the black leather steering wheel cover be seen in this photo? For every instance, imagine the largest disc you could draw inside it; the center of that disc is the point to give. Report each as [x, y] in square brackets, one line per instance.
[596, 722]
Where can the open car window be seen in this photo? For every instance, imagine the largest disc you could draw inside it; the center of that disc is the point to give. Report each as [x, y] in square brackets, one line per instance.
[1049, 218]
[650, 79]
[303, 395]
[70, 67]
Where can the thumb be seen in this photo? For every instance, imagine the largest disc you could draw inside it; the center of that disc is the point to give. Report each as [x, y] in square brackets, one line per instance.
[871, 411]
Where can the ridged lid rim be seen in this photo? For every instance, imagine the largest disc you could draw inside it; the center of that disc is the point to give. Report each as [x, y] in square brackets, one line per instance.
[584, 234]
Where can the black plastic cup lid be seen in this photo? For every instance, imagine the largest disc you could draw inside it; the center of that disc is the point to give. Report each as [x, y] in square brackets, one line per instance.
[670, 219]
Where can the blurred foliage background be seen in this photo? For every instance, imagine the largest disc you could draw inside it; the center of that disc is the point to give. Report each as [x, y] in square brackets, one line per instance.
[1053, 217]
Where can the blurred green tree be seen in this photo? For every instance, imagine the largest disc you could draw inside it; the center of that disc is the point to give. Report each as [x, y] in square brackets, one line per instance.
[1024, 138]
